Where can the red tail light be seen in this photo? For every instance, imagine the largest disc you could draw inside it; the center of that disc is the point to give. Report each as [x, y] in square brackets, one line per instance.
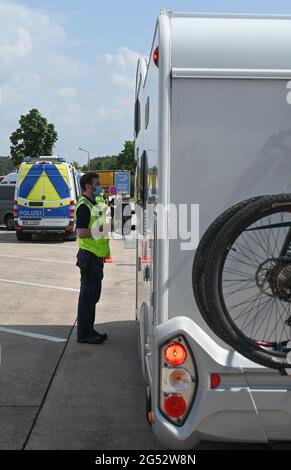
[15, 214]
[175, 354]
[156, 56]
[72, 209]
[175, 406]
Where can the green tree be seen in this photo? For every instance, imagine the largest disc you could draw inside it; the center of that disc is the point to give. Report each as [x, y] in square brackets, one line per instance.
[123, 161]
[126, 160]
[6, 165]
[34, 137]
[103, 163]
[77, 165]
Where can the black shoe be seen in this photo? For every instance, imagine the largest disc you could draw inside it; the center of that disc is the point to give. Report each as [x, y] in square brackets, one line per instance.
[92, 340]
[104, 336]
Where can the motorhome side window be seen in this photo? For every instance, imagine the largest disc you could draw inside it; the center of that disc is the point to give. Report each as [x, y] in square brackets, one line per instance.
[137, 117]
[142, 187]
[144, 179]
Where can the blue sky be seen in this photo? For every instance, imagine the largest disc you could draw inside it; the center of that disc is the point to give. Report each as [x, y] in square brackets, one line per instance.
[75, 61]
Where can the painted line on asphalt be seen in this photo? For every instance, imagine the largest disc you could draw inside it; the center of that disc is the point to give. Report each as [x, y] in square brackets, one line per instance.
[36, 243]
[28, 258]
[54, 339]
[70, 289]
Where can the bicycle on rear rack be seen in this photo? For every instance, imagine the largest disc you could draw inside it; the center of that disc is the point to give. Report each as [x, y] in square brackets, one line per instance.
[243, 283]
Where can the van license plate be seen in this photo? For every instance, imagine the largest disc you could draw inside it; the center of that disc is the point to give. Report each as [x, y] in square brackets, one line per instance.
[30, 222]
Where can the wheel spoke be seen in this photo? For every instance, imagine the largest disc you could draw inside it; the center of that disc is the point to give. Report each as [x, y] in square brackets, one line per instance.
[254, 277]
[239, 290]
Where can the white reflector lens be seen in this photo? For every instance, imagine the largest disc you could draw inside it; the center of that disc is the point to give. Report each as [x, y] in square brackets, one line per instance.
[180, 380]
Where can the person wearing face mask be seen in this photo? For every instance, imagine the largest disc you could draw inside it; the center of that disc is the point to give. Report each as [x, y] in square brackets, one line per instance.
[93, 250]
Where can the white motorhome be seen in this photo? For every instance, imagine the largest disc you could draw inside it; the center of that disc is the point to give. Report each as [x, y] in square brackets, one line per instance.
[212, 127]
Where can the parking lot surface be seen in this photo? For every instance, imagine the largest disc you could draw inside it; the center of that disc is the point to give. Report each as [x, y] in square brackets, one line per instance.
[54, 392]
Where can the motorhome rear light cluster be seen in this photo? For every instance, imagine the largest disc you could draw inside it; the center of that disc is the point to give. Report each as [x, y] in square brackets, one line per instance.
[178, 382]
[15, 210]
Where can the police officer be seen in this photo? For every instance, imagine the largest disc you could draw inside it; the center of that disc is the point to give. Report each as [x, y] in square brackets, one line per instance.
[93, 249]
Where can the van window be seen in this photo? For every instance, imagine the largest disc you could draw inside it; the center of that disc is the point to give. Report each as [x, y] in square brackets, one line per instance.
[44, 182]
[28, 179]
[55, 182]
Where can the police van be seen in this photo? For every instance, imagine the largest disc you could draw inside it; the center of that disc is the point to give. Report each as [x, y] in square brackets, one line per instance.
[46, 194]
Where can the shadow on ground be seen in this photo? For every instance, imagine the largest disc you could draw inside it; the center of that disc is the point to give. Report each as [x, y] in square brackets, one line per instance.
[78, 396]
[7, 236]
[94, 398]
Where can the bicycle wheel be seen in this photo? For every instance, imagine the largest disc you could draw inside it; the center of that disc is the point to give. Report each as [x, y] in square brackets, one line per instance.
[248, 281]
[200, 259]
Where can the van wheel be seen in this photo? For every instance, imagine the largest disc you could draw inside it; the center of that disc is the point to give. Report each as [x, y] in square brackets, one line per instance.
[23, 236]
[9, 221]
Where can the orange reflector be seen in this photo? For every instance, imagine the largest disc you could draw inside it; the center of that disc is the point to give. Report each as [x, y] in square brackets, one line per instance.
[215, 381]
[150, 417]
[175, 354]
[175, 406]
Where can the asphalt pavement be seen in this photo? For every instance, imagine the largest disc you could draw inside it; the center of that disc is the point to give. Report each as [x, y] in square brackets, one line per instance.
[54, 392]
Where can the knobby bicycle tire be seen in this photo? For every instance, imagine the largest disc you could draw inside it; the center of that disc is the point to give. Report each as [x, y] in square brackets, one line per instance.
[221, 322]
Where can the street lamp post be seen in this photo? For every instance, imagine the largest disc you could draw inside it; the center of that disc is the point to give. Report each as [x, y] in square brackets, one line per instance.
[83, 150]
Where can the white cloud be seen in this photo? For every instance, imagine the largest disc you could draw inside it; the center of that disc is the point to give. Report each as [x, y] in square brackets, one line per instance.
[40, 66]
[72, 115]
[105, 112]
[17, 48]
[124, 82]
[124, 58]
[66, 92]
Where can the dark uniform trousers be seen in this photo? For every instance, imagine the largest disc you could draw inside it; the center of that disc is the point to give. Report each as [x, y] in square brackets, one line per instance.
[91, 268]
